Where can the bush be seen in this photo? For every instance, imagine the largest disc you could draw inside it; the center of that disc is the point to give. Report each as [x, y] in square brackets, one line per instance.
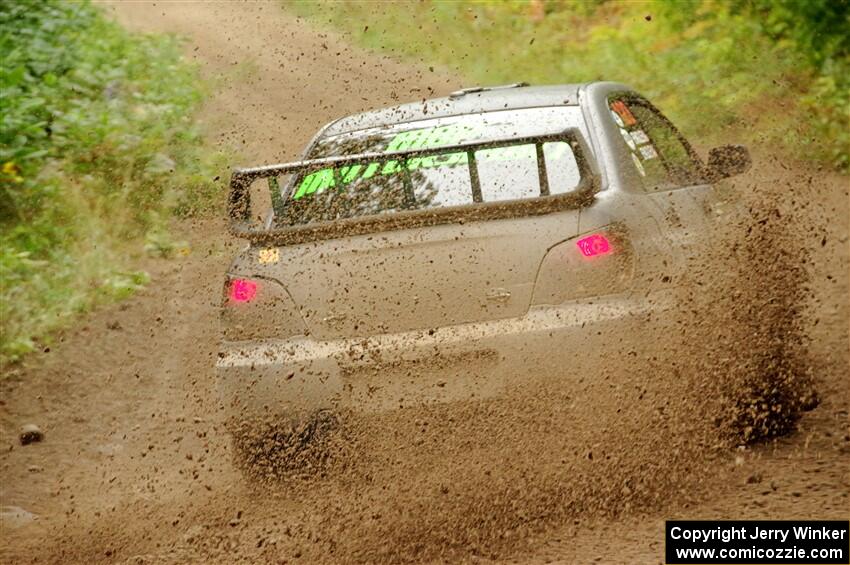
[96, 149]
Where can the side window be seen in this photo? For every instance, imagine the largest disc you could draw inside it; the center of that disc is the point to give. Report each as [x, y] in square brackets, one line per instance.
[661, 156]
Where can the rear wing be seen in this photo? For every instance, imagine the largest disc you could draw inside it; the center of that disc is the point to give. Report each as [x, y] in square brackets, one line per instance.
[239, 201]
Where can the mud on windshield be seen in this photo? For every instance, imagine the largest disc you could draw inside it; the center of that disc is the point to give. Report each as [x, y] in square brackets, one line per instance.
[501, 174]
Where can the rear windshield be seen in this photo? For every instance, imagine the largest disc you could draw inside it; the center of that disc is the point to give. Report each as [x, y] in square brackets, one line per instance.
[505, 173]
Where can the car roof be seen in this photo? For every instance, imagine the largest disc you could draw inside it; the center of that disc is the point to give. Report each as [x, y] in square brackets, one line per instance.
[467, 101]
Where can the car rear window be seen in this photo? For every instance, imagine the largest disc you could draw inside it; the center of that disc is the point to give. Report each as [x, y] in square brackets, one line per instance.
[437, 181]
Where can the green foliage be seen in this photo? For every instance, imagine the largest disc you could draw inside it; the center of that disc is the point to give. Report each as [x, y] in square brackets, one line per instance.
[820, 31]
[818, 28]
[773, 71]
[96, 149]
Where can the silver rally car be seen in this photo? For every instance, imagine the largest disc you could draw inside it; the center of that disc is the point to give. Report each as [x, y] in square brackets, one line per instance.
[425, 252]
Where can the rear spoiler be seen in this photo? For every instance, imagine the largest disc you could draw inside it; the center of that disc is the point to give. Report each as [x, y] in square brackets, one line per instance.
[239, 201]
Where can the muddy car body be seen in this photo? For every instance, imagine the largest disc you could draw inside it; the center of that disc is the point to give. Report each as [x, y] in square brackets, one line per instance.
[452, 248]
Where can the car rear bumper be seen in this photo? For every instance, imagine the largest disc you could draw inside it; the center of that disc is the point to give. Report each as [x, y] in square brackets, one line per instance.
[295, 378]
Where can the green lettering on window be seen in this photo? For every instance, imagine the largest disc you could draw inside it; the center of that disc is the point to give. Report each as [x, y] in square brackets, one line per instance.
[371, 170]
[348, 174]
[391, 167]
[315, 182]
[424, 138]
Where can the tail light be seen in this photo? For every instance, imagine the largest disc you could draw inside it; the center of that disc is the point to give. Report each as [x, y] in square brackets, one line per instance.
[243, 290]
[593, 245]
[593, 264]
[258, 308]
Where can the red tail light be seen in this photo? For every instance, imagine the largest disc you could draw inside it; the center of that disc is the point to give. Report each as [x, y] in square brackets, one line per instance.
[242, 290]
[593, 245]
[258, 309]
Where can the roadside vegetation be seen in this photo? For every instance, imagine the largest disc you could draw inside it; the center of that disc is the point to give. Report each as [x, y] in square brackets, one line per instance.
[97, 152]
[769, 71]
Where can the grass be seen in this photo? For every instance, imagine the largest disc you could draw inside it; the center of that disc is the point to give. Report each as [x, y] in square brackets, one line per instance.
[720, 69]
[98, 151]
